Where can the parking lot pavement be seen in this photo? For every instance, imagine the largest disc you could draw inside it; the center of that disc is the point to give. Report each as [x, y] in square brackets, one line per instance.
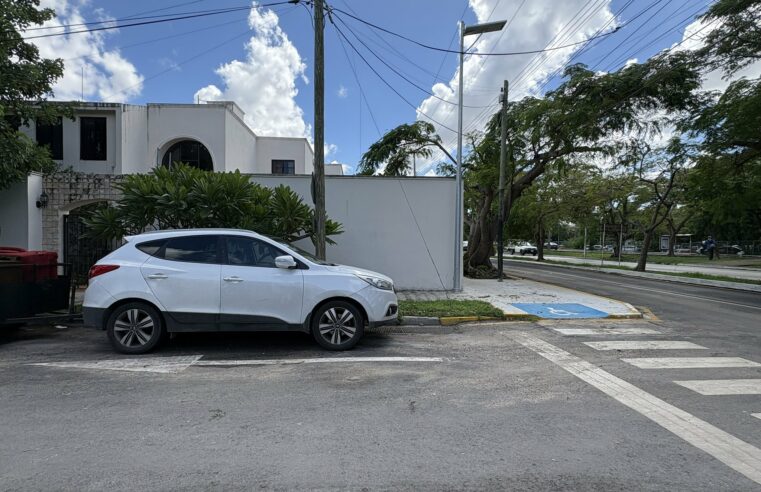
[505, 405]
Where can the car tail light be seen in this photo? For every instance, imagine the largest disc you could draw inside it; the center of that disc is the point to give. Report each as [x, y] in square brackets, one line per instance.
[96, 270]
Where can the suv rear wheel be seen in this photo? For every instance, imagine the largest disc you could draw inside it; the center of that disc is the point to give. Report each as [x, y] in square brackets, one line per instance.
[135, 328]
[338, 325]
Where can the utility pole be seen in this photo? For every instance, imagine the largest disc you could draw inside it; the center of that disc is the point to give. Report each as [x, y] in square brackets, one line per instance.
[318, 176]
[502, 158]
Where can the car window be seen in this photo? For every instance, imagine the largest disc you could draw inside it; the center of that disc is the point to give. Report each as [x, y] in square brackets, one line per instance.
[195, 249]
[151, 247]
[248, 251]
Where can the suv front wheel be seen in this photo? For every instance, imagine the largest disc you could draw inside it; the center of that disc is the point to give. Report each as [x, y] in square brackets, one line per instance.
[135, 328]
[338, 325]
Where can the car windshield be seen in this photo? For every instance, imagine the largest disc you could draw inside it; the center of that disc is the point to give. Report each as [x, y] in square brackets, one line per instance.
[306, 254]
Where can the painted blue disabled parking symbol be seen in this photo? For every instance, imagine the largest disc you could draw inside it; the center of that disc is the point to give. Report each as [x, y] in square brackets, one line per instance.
[560, 311]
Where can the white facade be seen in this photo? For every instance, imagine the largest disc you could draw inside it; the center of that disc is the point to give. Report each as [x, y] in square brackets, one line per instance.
[138, 138]
[20, 217]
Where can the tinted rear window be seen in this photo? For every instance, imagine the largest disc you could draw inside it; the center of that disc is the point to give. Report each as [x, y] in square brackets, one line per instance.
[151, 247]
[195, 249]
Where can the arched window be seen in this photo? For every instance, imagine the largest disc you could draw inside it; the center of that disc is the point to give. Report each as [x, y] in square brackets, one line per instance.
[190, 152]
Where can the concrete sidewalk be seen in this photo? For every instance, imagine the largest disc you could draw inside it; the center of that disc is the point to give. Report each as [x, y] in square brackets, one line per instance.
[527, 297]
[721, 270]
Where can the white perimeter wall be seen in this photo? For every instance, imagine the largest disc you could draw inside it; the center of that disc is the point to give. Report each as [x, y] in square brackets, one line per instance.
[401, 227]
[20, 219]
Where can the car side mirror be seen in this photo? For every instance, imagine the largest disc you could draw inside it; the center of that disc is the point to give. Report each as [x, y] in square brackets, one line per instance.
[286, 262]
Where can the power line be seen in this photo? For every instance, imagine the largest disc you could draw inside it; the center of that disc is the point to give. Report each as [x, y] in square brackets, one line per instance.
[423, 45]
[156, 21]
[187, 60]
[385, 81]
[130, 17]
[397, 72]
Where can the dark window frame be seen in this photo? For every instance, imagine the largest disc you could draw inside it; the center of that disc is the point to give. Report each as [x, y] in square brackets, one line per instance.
[221, 251]
[162, 242]
[284, 165]
[87, 145]
[54, 137]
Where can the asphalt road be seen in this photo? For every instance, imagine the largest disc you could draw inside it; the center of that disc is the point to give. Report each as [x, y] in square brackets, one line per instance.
[491, 414]
[730, 313]
[509, 406]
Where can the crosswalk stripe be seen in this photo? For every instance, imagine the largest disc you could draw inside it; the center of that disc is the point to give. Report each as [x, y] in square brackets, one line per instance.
[689, 362]
[715, 387]
[605, 331]
[644, 345]
[730, 450]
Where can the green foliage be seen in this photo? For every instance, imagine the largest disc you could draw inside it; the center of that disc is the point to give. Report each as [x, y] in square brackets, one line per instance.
[734, 41]
[187, 197]
[26, 80]
[449, 307]
[397, 148]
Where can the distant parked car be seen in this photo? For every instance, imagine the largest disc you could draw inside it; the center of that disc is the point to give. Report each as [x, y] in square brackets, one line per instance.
[464, 245]
[724, 250]
[522, 249]
[551, 245]
[630, 249]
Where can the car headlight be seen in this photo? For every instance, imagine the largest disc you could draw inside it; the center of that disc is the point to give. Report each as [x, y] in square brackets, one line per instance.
[379, 283]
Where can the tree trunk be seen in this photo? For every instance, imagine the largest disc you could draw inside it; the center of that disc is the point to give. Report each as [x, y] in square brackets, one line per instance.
[481, 237]
[642, 262]
[672, 240]
[540, 242]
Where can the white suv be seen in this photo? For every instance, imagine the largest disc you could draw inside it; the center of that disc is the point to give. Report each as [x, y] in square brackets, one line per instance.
[229, 280]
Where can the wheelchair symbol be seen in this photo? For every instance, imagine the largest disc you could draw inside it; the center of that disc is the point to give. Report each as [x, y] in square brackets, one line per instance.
[560, 312]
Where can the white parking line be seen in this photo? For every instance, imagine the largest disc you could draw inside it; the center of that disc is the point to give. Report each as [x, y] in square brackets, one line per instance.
[164, 365]
[644, 345]
[757, 415]
[733, 452]
[317, 360]
[690, 362]
[606, 331]
[713, 387]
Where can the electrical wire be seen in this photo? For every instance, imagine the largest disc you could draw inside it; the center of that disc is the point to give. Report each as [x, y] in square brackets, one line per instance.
[423, 45]
[156, 21]
[385, 81]
[196, 56]
[397, 72]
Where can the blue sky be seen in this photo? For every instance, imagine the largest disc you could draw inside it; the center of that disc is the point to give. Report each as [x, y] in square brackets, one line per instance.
[135, 65]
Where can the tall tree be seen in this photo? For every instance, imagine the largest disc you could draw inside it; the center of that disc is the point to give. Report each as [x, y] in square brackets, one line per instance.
[574, 120]
[398, 146]
[26, 80]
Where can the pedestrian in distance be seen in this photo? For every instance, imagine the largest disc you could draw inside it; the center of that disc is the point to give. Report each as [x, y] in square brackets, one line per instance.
[709, 247]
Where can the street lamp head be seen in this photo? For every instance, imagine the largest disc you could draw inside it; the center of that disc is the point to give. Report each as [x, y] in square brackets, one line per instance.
[482, 28]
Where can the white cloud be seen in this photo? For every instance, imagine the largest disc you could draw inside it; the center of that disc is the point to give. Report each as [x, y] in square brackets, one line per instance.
[264, 83]
[107, 74]
[347, 169]
[329, 149]
[693, 38]
[534, 26]
[630, 62]
[342, 92]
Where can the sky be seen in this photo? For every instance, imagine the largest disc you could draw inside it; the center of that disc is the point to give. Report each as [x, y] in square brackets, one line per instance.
[262, 58]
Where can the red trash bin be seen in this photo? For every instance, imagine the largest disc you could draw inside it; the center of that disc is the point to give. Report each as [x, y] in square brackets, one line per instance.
[36, 266]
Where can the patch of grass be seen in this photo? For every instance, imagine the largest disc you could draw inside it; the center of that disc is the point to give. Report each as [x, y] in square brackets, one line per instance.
[448, 307]
[723, 278]
[727, 260]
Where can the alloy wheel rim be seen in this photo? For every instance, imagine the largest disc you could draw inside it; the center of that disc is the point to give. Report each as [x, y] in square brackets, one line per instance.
[134, 328]
[337, 325]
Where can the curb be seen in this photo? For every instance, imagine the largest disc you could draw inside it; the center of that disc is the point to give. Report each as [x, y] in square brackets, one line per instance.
[456, 320]
[667, 278]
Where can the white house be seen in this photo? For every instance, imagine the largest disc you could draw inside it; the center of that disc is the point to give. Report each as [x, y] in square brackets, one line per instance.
[107, 138]
[401, 226]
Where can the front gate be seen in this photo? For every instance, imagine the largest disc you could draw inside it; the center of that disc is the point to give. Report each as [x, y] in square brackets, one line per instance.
[81, 251]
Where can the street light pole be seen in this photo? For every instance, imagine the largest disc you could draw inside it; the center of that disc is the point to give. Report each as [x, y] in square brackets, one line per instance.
[464, 31]
[458, 176]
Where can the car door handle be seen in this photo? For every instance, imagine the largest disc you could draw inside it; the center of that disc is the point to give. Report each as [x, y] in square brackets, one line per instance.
[233, 279]
[157, 276]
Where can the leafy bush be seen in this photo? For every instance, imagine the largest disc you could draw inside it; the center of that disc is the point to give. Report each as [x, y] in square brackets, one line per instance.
[186, 197]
